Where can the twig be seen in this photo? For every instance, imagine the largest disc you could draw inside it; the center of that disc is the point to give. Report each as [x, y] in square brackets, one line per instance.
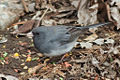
[38, 13]
[22, 22]
[42, 17]
[25, 6]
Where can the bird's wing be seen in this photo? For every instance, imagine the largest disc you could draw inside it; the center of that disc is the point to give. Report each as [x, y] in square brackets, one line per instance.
[77, 31]
[62, 35]
[67, 34]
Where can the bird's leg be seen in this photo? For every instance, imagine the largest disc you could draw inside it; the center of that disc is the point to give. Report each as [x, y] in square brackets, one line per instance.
[63, 57]
[43, 59]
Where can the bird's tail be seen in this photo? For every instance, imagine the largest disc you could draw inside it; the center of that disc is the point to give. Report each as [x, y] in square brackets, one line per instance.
[94, 25]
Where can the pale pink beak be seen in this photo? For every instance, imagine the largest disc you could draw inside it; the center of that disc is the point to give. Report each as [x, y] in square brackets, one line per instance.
[30, 35]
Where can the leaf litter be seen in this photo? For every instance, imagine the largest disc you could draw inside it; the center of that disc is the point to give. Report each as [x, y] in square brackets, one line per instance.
[97, 56]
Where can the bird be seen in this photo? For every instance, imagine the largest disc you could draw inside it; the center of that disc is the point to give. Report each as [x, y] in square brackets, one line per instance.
[60, 39]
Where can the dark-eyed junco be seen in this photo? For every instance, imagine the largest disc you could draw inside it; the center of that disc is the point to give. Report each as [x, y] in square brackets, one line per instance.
[57, 40]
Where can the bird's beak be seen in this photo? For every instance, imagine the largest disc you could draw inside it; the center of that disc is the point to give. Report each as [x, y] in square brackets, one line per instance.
[30, 35]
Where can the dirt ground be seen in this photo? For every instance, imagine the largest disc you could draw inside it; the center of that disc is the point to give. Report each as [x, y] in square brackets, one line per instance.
[96, 57]
[77, 65]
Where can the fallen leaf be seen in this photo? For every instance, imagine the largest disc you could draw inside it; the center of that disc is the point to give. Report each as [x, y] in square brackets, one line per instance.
[91, 37]
[86, 45]
[94, 61]
[85, 16]
[48, 22]
[103, 11]
[115, 2]
[25, 27]
[75, 2]
[116, 15]
[109, 41]
[65, 21]
[31, 7]
[99, 41]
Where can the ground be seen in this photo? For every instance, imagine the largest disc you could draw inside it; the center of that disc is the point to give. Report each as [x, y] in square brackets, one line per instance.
[18, 56]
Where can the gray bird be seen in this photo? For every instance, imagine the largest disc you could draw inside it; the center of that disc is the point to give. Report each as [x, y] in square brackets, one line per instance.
[57, 40]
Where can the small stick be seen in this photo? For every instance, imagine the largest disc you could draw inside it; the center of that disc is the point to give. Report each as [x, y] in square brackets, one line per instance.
[25, 6]
[42, 17]
[22, 22]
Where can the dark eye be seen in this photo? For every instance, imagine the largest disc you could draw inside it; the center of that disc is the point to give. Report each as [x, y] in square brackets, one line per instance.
[37, 33]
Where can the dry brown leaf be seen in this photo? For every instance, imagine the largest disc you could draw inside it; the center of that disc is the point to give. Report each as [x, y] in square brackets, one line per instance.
[86, 45]
[85, 16]
[75, 3]
[116, 15]
[65, 21]
[91, 37]
[115, 2]
[103, 11]
[99, 41]
[31, 7]
[48, 22]
[25, 27]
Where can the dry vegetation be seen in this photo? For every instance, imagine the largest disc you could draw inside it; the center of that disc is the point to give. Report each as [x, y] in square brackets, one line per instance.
[96, 57]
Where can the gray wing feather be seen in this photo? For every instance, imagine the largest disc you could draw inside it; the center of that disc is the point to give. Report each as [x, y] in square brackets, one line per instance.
[67, 34]
[61, 35]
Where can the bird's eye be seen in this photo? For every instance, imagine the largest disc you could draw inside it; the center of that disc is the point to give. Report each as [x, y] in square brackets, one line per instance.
[37, 33]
